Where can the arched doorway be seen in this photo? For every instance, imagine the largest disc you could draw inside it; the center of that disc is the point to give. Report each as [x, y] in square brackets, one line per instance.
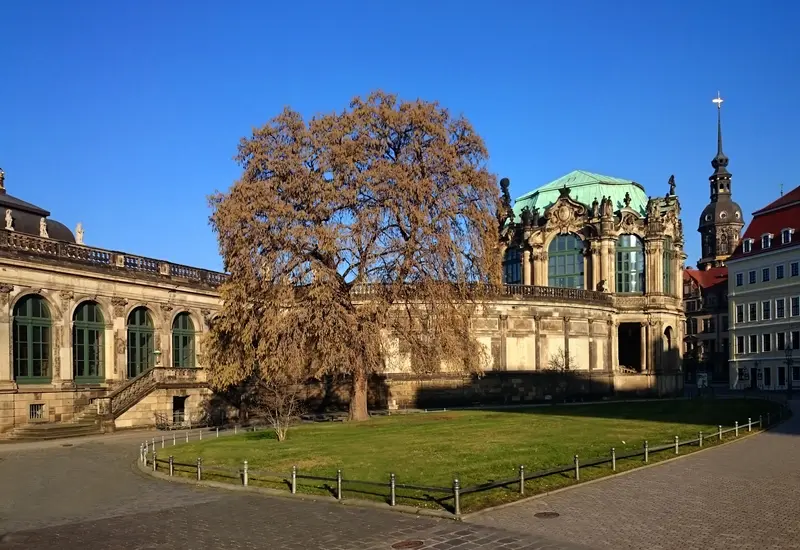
[32, 341]
[183, 341]
[87, 343]
[140, 342]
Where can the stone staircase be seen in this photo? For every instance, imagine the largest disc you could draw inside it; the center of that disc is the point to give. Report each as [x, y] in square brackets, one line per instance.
[86, 422]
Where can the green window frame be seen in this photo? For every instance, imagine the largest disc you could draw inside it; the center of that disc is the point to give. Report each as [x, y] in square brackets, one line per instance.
[667, 261]
[630, 264]
[140, 342]
[565, 265]
[88, 329]
[512, 266]
[183, 341]
[32, 344]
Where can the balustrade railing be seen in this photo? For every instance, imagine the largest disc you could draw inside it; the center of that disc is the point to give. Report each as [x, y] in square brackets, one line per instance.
[136, 389]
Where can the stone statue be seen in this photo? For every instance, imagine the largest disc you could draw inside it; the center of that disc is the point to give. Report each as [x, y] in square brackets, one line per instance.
[601, 286]
[627, 200]
[652, 209]
[2, 180]
[526, 216]
[672, 185]
[43, 228]
[595, 208]
[607, 208]
[79, 233]
[9, 220]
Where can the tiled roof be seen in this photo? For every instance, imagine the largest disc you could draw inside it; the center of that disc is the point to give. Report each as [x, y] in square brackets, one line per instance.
[706, 278]
[783, 213]
[584, 187]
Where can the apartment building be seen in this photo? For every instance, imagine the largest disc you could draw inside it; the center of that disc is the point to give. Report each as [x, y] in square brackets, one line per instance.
[706, 340]
[764, 298]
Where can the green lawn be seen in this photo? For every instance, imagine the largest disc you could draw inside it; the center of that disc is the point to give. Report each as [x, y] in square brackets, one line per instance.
[477, 446]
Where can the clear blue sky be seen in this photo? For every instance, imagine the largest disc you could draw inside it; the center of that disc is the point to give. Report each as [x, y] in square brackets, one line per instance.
[126, 115]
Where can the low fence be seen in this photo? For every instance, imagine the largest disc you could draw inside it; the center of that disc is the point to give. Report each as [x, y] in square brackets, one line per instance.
[149, 457]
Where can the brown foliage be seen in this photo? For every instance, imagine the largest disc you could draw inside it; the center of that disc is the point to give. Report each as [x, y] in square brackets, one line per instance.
[379, 220]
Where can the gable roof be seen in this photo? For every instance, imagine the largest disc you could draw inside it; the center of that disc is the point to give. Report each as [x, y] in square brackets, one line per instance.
[585, 187]
[707, 278]
[780, 214]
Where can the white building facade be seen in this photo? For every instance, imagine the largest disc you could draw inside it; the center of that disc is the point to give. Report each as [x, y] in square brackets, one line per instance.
[764, 299]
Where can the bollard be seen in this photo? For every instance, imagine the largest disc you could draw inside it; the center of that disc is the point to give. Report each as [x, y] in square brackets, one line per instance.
[141, 452]
[187, 437]
[760, 422]
[676, 444]
[294, 480]
[613, 459]
[199, 468]
[244, 474]
[235, 429]
[171, 466]
[456, 497]
[749, 424]
[338, 485]
[392, 487]
[174, 439]
[577, 469]
[145, 457]
[700, 438]
[646, 452]
[522, 480]
[201, 434]
[155, 461]
[736, 428]
[217, 431]
[720, 431]
[767, 419]
[154, 443]
[162, 441]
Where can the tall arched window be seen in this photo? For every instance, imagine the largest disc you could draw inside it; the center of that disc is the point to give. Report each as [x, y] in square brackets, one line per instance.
[630, 264]
[87, 343]
[182, 341]
[140, 342]
[667, 261]
[512, 265]
[565, 262]
[31, 341]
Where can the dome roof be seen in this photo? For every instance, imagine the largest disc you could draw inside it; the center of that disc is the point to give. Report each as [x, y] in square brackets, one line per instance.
[26, 217]
[584, 187]
[721, 212]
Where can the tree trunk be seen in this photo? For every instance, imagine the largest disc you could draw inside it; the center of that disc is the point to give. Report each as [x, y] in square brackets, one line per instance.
[358, 397]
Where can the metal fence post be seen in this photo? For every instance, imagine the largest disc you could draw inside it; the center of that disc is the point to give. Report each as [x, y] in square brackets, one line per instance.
[162, 442]
[235, 429]
[155, 461]
[720, 431]
[294, 479]
[154, 443]
[338, 485]
[217, 431]
[244, 473]
[676, 444]
[174, 439]
[456, 497]
[187, 437]
[140, 452]
[767, 419]
[145, 457]
[392, 488]
[700, 439]
[613, 459]
[577, 469]
[749, 424]
[736, 428]
[201, 434]
[760, 422]
[646, 452]
[522, 480]
[171, 466]
[199, 468]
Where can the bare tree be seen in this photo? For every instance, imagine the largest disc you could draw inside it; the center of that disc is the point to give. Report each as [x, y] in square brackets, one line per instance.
[353, 229]
[281, 405]
[561, 361]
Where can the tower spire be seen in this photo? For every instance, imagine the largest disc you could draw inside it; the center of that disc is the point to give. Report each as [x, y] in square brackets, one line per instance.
[720, 161]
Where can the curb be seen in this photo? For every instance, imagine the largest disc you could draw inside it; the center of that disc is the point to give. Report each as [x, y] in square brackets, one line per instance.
[266, 491]
[467, 517]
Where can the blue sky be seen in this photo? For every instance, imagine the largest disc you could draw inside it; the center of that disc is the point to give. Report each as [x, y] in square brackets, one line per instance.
[126, 115]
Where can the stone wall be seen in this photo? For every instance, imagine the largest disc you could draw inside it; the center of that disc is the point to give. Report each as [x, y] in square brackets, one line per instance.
[59, 406]
[143, 414]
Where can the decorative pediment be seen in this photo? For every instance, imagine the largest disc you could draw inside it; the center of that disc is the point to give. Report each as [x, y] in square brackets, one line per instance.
[565, 215]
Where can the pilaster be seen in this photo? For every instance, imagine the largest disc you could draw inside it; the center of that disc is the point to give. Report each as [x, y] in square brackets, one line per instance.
[62, 340]
[526, 267]
[6, 369]
[654, 265]
[566, 344]
[611, 347]
[539, 362]
[120, 339]
[643, 351]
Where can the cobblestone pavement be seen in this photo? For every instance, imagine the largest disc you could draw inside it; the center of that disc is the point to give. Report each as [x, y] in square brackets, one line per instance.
[89, 495]
[742, 495]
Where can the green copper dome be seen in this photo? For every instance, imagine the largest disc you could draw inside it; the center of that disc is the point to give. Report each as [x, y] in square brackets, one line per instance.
[584, 187]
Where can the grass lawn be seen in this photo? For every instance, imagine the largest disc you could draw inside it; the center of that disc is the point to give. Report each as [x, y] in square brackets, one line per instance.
[477, 446]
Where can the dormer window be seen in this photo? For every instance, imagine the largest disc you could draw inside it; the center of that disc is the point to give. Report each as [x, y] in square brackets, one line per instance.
[747, 246]
[786, 235]
[766, 241]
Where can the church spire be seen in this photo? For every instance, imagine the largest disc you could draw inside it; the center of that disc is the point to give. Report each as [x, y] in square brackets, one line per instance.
[721, 178]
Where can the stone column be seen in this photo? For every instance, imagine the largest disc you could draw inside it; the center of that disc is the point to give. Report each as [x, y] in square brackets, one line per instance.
[6, 368]
[526, 267]
[594, 248]
[611, 341]
[119, 369]
[654, 273]
[643, 351]
[607, 264]
[62, 340]
[109, 351]
[539, 364]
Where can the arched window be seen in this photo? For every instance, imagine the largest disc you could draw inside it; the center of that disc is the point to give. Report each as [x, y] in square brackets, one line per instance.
[182, 341]
[630, 264]
[31, 336]
[512, 262]
[565, 262]
[87, 343]
[140, 342]
[667, 261]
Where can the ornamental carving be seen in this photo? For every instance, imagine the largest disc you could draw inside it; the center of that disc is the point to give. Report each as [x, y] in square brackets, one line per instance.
[628, 224]
[66, 295]
[5, 290]
[119, 306]
[119, 344]
[57, 352]
[166, 309]
[564, 215]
